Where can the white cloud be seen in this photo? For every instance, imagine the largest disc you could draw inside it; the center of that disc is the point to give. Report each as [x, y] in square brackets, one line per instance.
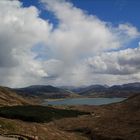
[122, 62]
[129, 30]
[80, 37]
[20, 29]
[78, 46]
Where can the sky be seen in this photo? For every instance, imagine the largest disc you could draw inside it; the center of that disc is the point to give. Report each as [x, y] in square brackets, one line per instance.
[114, 11]
[69, 42]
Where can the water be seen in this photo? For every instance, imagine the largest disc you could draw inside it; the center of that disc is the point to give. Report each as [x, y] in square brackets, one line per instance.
[83, 101]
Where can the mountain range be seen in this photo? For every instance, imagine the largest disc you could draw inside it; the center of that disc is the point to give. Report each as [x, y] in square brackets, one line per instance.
[48, 91]
[124, 90]
[44, 91]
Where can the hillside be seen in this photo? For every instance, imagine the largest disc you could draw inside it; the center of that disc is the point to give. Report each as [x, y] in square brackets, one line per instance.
[30, 121]
[124, 90]
[44, 91]
[91, 89]
[48, 91]
[120, 121]
[36, 113]
[10, 98]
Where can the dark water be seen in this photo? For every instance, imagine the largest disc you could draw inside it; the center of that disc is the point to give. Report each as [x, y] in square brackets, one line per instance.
[83, 101]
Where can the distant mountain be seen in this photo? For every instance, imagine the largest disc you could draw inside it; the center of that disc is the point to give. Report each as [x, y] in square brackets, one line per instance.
[48, 91]
[124, 90]
[44, 91]
[92, 88]
[9, 98]
[84, 89]
[129, 86]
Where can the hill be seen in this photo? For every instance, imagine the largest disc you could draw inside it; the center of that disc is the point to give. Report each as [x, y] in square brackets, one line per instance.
[44, 91]
[119, 121]
[10, 98]
[91, 89]
[124, 90]
[48, 91]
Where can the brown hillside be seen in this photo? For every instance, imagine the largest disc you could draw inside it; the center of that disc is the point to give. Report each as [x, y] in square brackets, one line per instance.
[9, 98]
[120, 121]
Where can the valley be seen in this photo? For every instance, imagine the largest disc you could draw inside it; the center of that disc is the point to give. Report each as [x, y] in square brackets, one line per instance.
[69, 70]
[22, 117]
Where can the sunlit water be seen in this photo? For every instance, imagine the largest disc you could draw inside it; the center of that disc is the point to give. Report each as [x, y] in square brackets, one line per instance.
[83, 101]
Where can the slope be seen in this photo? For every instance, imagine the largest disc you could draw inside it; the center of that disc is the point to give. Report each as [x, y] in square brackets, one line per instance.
[119, 121]
[44, 91]
[10, 98]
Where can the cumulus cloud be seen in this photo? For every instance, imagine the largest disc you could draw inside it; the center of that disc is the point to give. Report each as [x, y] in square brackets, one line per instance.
[129, 30]
[122, 62]
[75, 52]
[82, 41]
[78, 32]
[20, 29]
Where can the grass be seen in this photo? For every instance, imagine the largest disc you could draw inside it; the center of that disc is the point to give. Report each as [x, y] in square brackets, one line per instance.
[6, 125]
[40, 114]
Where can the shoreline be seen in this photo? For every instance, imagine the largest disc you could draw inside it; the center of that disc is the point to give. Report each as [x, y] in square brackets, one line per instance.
[59, 99]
